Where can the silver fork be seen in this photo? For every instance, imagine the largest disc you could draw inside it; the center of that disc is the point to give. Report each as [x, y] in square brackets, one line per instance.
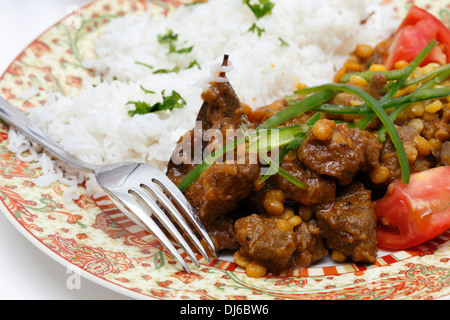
[138, 189]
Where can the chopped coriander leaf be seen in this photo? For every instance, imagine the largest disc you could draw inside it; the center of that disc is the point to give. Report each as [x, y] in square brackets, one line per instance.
[144, 64]
[194, 64]
[174, 100]
[195, 2]
[172, 48]
[140, 107]
[262, 8]
[175, 69]
[147, 91]
[283, 43]
[180, 51]
[169, 37]
[255, 28]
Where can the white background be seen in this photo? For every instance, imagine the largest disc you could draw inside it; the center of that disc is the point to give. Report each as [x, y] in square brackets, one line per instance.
[25, 271]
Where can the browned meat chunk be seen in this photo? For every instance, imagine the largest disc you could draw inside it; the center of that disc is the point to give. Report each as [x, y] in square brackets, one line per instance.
[222, 233]
[348, 224]
[310, 247]
[340, 154]
[320, 188]
[445, 154]
[220, 101]
[419, 161]
[437, 125]
[278, 191]
[262, 241]
[376, 85]
[437, 131]
[220, 189]
[263, 113]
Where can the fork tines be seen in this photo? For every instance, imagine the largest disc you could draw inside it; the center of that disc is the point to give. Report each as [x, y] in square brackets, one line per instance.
[170, 211]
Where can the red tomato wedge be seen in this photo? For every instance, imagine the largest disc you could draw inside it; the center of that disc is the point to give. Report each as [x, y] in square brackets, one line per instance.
[417, 29]
[411, 214]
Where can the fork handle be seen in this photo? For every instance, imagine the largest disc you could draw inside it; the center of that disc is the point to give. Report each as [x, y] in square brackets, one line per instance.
[17, 119]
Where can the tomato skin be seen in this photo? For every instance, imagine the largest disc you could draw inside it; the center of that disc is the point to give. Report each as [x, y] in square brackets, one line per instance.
[411, 214]
[417, 29]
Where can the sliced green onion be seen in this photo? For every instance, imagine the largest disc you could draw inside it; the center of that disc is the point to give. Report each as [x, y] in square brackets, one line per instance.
[366, 75]
[435, 81]
[400, 82]
[342, 109]
[289, 177]
[409, 70]
[364, 122]
[295, 143]
[363, 109]
[274, 138]
[432, 73]
[274, 165]
[298, 139]
[423, 95]
[417, 96]
[284, 173]
[393, 115]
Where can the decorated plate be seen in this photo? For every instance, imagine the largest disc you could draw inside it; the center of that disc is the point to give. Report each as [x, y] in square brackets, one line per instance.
[100, 242]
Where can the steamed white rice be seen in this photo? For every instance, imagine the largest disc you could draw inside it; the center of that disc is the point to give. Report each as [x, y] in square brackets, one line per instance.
[95, 125]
